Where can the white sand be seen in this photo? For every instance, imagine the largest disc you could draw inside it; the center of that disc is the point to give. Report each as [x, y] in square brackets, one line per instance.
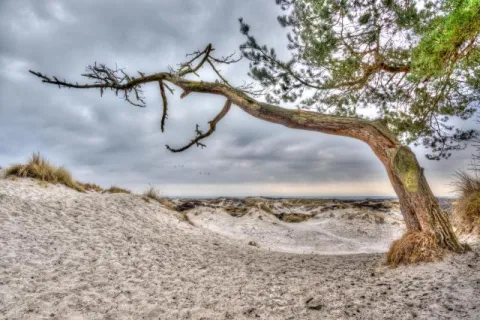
[337, 231]
[68, 255]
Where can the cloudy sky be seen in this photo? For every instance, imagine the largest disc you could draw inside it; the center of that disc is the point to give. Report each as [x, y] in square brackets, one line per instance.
[109, 142]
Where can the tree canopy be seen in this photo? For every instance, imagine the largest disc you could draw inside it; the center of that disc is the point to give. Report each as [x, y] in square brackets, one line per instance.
[415, 63]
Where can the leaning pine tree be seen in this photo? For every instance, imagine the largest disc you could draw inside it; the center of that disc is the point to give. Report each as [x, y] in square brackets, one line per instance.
[415, 64]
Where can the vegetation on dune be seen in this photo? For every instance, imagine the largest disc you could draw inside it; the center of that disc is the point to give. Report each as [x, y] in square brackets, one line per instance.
[466, 210]
[115, 189]
[39, 168]
[91, 187]
[154, 194]
[294, 217]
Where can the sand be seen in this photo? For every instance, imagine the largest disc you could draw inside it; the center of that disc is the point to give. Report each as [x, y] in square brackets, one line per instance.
[71, 255]
[345, 230]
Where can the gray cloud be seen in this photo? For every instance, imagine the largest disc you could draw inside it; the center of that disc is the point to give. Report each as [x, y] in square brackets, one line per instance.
[108, 141]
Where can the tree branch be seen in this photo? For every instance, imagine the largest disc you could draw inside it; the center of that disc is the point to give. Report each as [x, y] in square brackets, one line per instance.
[165, 104]
[200, 134]
[105, 78]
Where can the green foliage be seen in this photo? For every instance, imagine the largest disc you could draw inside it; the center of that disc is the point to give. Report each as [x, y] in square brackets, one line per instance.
[416, 62]
[449, 39]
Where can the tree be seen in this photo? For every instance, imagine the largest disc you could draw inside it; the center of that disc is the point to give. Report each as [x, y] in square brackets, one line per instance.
[416, 63]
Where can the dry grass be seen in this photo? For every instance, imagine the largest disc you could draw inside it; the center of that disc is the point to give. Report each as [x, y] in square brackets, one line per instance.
[414, 247]
[39, 168]
[91, 187]
[153, 194]
[167, 203]
[466, 211]
[265, 207]
[294, 217]
[236, 211]
[115, 189]
[183, 216]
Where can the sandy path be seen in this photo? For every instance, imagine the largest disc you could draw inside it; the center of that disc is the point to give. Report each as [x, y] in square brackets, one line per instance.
[67, 255]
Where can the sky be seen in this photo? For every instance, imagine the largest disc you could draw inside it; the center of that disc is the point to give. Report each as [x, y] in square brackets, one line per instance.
[109, 142]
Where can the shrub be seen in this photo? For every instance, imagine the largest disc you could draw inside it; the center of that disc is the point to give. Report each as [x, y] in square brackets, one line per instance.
[115, 189]
[39, 168]
[414, 247]
[466, 210]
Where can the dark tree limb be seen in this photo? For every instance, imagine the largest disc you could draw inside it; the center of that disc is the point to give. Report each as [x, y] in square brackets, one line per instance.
[357, 128]
[200, 134]
[118, 81]
[165, 104]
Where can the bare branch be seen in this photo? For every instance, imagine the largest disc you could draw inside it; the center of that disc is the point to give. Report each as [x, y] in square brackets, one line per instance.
[227, 60]
[186, 68]
[168, 88]
[104, 78]
[165, 104]
[200, 134]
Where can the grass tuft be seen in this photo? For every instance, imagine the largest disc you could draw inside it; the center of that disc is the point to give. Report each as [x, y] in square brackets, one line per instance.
[415, 247]
[91, 187]
[153, 193]
[115, 189]
[39, 168]
[466, 210]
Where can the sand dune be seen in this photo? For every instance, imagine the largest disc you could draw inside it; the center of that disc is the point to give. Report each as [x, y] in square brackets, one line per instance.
[71, 255]
[330, 227]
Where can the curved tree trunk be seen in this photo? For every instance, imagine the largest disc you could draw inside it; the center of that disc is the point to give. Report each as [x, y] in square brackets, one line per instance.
[419, 206]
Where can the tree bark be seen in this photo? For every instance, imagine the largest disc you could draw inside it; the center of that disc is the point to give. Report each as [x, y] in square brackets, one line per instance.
[420, 208]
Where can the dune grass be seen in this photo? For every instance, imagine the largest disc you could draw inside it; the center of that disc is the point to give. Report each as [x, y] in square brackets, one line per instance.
[91, 187]
[41, 169]
[115, 189]
[153, 194]
[414, 247]
[466, 210]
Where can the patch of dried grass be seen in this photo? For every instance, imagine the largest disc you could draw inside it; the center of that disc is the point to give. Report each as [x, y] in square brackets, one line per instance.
[91, 187]
[236, 211]
[294, 217]
[265, 207]
[115, 189]
[183, 216]
[466, 210]
[153, 194]
[39, 168]
[415, 247]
